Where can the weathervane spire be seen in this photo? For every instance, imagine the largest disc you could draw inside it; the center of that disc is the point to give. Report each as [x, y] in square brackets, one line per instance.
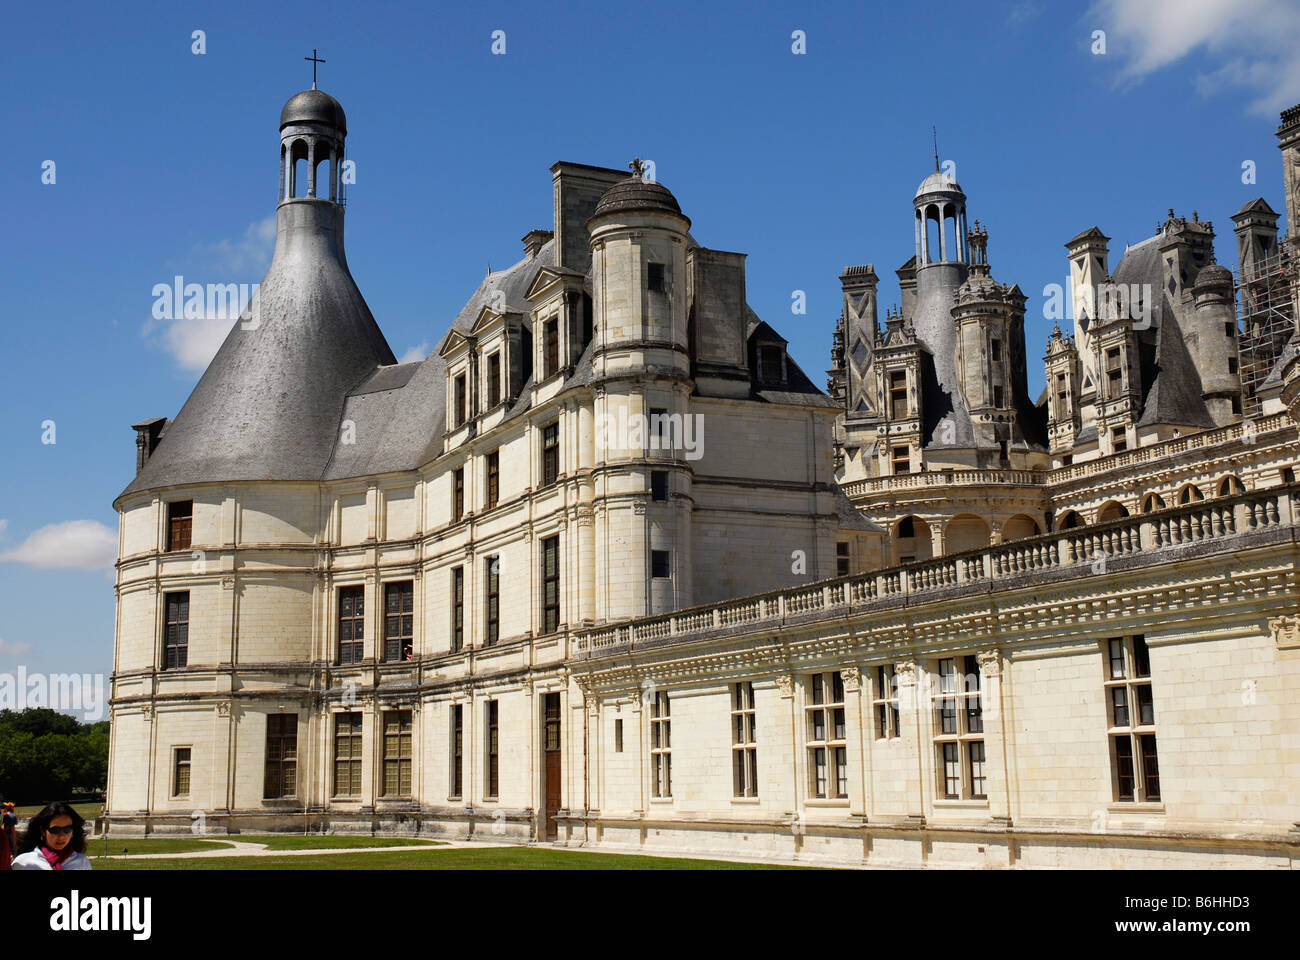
[314, 60]
[935, 131]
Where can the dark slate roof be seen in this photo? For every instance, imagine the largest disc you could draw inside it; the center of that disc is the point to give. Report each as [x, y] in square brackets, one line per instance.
[269, 405]
[1274, 379]
[1092, 233]
[1171, 384]
[637, 194]
[1259, 206]
[849, 516]
[314, 106]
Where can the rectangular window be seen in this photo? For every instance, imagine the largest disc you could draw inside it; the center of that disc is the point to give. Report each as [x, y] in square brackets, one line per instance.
[654, 277]
[995, 351]
[347, 754]
[493, 745]
[828, 755]
[898, 394]
[659, 485]
[618, 736]
[399, 620]
[997, 395]
[180, 524]
[457, 609]
[176, 636]
[281, 776]
[181, 772]
[550, 454]
[551, 347]
[660, 562]
[457, 749]
[493, 612]
[397, 753]
[458, 495]
[659, 432]
[550, 584]
[459, 400]
[551, 723]
[959, 730]
[352, 623]
[494, 379]
[744, 749]
[842, 558]
[770, 368]
[886, 703]
[1232, 364]
[661, 745]
[1119, 440]
[1229, 329]
[1132, 716]
[902, 459]
[493, 479]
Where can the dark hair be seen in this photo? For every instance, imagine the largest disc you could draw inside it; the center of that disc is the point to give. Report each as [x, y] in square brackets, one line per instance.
[35, 835]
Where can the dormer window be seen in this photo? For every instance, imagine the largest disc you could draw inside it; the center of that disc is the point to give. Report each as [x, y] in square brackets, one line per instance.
[898, 394]
[550, 347]
[459, 401]
[654, 277]
[771, 363]
[494, 380]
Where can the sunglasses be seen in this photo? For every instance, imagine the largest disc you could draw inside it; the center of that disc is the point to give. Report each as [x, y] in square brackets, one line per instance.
[59, 831]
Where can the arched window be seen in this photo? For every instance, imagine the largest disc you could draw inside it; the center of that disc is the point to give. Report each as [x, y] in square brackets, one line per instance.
[1190, 494]
[298, 169]
[965, 532]
[1020, 527]
[1069, 520]
[1230, 485]
[1111, 510]
[1152, 502]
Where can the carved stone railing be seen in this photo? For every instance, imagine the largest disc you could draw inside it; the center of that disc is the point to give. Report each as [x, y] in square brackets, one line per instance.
[1154, 535]
[944, 478]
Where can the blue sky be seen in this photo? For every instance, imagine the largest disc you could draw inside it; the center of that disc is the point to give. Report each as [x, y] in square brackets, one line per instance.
[166, 163]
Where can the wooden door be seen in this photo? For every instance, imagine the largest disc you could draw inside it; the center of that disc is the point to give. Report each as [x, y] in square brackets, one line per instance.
[551, 751]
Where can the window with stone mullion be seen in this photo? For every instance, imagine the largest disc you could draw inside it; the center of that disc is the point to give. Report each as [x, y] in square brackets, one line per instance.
[827, 743]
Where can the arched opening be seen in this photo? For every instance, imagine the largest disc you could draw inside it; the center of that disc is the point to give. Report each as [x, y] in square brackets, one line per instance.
[1230, 485]
[912, 541]
[283, 172]
[1190, 494]
[1152, 502]
[950, 232]
[1020, 527]
[933, 236]
[1111, 510]
[965, 532]
[1069, 520]
[298, 169]
[323, 187]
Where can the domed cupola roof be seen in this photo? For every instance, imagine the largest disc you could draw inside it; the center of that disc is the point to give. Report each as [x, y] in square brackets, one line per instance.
[980, 289]
[637, 195]
[937, 182]
[314, 106]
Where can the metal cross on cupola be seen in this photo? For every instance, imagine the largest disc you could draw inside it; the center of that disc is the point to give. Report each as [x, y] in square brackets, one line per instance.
[314, 60]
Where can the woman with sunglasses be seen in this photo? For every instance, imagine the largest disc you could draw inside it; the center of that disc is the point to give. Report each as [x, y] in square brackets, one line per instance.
[55, 840]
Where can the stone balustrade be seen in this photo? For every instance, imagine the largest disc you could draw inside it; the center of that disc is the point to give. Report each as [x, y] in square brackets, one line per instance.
[1087, 549]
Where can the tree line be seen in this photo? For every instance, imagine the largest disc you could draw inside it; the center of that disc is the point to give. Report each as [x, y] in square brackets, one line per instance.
[46, 755]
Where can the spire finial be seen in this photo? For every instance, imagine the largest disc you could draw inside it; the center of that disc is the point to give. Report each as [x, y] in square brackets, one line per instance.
[935, 131]
[314, 60]
[637, 166]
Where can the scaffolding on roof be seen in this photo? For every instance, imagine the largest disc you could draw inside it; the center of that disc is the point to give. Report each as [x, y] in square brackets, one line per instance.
[1266, 321]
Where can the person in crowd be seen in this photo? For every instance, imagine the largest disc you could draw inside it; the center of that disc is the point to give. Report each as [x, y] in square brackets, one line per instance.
[55, 840]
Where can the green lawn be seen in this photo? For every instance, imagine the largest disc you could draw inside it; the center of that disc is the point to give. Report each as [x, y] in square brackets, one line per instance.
[284, 841]
[131, 845]
[89, 809]
[488, 858]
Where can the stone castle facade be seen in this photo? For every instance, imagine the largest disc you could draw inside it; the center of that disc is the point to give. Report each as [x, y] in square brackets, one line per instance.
[607, 569]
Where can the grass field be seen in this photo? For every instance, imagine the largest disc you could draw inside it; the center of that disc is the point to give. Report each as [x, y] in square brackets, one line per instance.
[87, 808]
[491, 858]
[132, 845]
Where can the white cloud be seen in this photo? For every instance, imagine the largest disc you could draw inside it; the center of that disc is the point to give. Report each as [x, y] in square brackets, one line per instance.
[8, 649]
[250, 254]
[1245, 45]
[1024, 11]
[193, 343]
[81, 544]
[418, 352]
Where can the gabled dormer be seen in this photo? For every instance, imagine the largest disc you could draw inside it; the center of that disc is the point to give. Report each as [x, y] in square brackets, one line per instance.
[461, 357]
[561, 320]
[768, 358]
[504, 360]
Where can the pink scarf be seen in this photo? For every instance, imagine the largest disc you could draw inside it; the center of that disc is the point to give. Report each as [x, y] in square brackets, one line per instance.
[55, 860]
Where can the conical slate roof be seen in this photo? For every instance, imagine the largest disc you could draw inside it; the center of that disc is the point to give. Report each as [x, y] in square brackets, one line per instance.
[269, 405]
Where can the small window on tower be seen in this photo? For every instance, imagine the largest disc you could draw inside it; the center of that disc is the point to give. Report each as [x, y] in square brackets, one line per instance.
[654, 277]
[842, 559]
[1119, 440]
[995, 351]
[903, 459]
[1232, 364]
[180, 520]
[659, 485]
[997, 395]
[1230, 329]
[659, 564]
[898, 394]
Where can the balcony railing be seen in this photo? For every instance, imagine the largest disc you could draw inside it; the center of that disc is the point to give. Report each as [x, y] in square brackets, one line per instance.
[1153, 535]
